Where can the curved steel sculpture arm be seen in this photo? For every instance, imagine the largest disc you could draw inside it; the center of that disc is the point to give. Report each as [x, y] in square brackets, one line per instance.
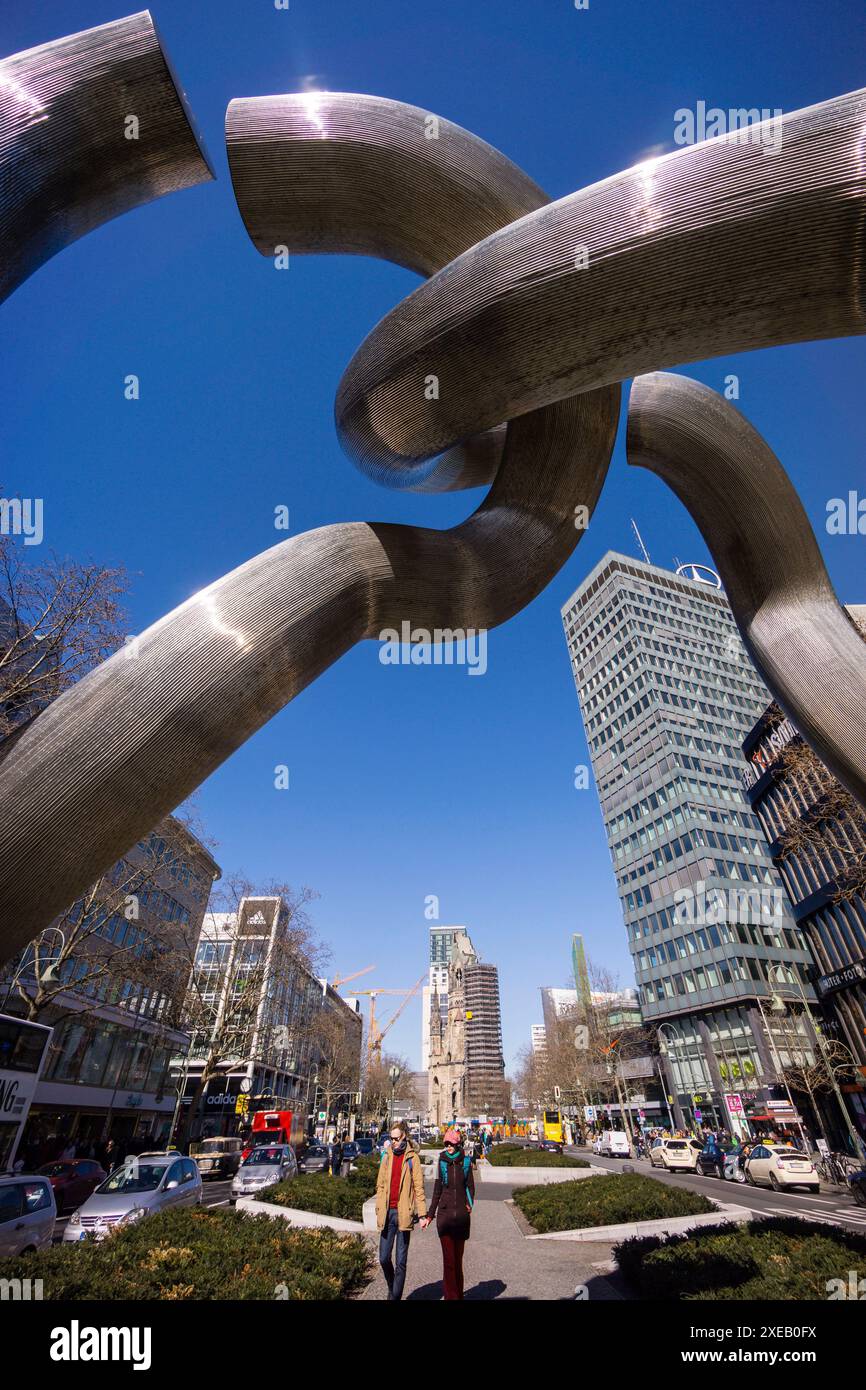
[800, 638]
[337, 171]
[717, 248]
[70, 156]
[107, 759]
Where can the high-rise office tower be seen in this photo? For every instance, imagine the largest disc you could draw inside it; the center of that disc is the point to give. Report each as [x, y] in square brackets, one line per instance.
[667, 694]
[538, 1037]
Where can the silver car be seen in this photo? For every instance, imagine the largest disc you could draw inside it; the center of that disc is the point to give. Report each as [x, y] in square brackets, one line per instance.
[27, 1214]
[267, 1164]
[140, 1187]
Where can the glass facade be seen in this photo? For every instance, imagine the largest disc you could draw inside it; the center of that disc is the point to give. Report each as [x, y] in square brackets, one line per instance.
[667, 693]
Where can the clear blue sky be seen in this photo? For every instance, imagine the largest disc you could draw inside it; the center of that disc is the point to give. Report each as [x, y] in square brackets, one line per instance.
[405, 781]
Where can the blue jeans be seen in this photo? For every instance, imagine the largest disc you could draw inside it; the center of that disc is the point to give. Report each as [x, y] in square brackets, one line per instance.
[395, 1277]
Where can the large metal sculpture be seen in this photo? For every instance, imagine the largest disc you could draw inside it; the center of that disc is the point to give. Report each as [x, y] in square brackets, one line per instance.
[533, 314]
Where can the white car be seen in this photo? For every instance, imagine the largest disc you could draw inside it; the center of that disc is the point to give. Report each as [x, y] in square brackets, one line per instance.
[144, 1184]
[781, 1167]
[27, 1214]
[267, 1164]
[675, 1155]
[614, 1144]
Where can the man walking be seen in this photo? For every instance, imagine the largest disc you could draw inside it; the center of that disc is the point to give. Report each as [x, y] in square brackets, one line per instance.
[400, 1201]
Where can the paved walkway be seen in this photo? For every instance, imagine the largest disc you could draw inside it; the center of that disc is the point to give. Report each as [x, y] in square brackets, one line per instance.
[500, 1262]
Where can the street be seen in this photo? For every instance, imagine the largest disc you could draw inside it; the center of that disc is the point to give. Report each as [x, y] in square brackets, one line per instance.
[837, 1208]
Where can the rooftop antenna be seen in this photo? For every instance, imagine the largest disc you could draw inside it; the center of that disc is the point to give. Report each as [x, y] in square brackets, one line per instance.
[643, 548]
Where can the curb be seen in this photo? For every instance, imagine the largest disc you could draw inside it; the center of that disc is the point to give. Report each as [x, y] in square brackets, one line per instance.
[531, 1177]
[310, 1219]
[664, 1226]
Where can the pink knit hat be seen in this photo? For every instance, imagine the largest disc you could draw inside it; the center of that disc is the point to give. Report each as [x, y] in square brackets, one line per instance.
[452, 1136]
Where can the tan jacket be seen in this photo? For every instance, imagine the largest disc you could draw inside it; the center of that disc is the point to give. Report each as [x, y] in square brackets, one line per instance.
[410, 1199]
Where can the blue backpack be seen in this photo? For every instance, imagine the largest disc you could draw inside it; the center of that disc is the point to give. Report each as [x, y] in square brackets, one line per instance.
[467, 1165]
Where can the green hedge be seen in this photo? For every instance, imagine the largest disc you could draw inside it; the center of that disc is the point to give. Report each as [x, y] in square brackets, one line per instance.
[513, 1156]
[320, 1192]
[202, 1253]
[605, 1201]
[770, 1259]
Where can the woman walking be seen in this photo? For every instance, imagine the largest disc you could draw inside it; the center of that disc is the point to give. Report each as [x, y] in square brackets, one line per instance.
[453, 1200]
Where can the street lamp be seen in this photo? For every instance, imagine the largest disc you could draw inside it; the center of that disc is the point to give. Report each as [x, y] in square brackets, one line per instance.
[394, 1074]
[30, 961]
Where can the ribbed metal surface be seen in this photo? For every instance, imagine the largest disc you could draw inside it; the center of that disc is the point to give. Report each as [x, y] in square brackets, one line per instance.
[98, 767]
[717, 248]
[799, 636]
[66, 165]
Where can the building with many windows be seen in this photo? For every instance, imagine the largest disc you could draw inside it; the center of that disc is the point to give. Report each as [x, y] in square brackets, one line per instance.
[466, 1073]
[116, 1015]
[816, 834]
[667, 694]
[266, 1033]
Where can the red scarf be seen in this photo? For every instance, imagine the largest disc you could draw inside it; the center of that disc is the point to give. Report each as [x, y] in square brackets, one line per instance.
[396, 1174]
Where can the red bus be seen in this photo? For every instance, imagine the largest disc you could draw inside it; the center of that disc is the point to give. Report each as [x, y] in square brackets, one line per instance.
[275, 1127]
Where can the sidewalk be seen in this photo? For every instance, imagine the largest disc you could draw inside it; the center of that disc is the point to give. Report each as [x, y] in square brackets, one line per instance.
[499, 1261]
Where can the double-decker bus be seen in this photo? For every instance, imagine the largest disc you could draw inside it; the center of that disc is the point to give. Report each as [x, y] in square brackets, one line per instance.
[22, 1052]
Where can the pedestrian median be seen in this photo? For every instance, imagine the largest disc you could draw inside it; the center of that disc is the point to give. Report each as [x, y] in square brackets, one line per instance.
[530, 1177]
[666, 1226]
[295, 1217]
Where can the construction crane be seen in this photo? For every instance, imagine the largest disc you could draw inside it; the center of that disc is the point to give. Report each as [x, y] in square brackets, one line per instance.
[344, 979]
[375, 1034]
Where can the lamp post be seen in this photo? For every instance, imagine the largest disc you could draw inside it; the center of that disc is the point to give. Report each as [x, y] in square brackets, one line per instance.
[394, 1075]
[859, 1146]
[31, 961]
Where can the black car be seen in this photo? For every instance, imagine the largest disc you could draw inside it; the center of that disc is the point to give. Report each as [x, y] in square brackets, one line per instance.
[857, 1183]
[552, 1146]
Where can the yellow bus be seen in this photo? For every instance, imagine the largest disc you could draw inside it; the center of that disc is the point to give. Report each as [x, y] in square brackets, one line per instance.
[550, 1126]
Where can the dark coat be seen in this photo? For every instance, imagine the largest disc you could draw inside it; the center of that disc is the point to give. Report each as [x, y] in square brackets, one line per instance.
[450, 1205]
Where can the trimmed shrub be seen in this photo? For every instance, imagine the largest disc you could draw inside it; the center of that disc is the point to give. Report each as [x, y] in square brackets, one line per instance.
[605, 1201]
[202, 1253]
[770, 1259]
[533, 1158]
[319, 1192]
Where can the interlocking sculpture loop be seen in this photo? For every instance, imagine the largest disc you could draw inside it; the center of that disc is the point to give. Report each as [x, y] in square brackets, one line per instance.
[532, 315]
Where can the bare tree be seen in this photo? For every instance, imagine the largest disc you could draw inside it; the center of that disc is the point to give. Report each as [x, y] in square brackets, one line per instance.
[377, 1088]
[58, 619]
[830, 827]
[336, 1055]
[106, 947]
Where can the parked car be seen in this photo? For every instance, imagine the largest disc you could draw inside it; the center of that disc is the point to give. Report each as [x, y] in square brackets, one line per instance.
[857, 1184]
[551, 1145]
[218, 1157]
[365, 1145]
[72, 1182]
[149, 1183]
[780, 1166]
[315, 1159]
[267, 1164]
[675, 1155]
[716, 1162]
[27, 1213]
[614, 1144]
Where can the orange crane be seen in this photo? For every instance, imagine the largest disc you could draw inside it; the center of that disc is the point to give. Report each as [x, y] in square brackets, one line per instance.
[344, 979]
[375, 1034]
